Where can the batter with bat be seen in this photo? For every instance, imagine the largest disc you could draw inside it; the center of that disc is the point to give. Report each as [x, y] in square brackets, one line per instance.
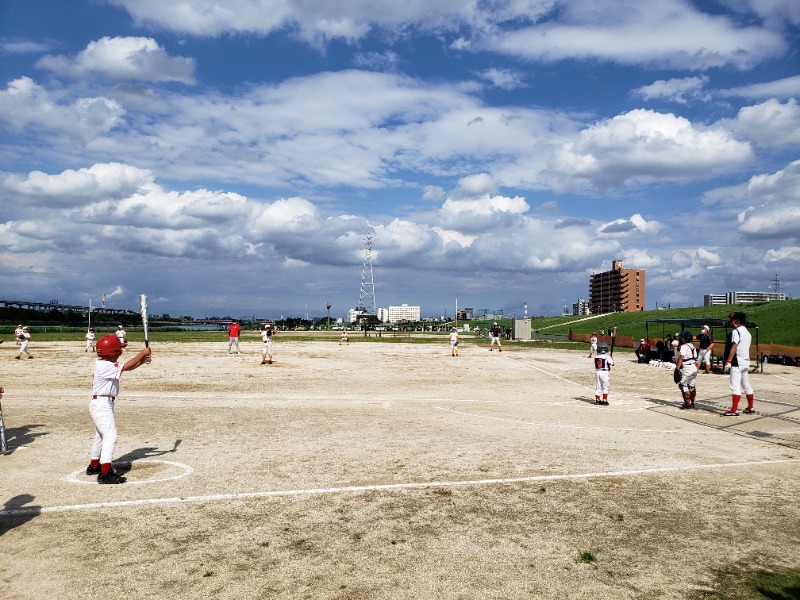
[105, 389]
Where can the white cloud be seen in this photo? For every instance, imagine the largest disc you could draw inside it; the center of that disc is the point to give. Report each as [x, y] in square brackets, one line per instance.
[485, 212]
[771, 124]
[768, 205]
[669, 33]
[73, 188]
[23, 47]
[128, 58]
[646, 145]
[636, 224]
[786, 88]
[677, 90]
[505, 79]
[25, 104]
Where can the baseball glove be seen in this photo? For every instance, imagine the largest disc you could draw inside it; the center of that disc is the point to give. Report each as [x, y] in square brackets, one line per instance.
[677, 375]
[21, 337]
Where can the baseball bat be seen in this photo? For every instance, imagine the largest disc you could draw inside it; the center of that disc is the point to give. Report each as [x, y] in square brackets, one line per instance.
[3, 442]
[145, 320]
[613, 339]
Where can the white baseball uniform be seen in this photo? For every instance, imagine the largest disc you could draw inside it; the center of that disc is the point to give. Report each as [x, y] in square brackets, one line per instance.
[740, 372]
[602, 362]
[266, 337]
[105, 388]
[688, 366]
[89, 340]
[454, 343]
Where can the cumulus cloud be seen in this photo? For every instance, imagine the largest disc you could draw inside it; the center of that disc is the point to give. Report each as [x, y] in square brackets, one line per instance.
[768, 205]
[480, 213]
[634, 224]
[771, 123]
[644, 144]
[75, 187]
[128, 58]
[24, 104]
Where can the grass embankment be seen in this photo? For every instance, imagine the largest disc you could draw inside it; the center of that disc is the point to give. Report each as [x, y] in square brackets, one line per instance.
[778, 322]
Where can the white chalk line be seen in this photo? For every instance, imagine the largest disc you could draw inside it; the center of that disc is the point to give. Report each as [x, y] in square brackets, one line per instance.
[787, 379]
[387, 487]
[185, 471]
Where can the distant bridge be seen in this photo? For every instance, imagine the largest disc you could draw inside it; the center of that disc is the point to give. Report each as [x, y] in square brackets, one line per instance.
[48, 306]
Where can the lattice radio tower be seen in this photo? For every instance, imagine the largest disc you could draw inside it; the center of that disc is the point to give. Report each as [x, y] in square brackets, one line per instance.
[366, 298]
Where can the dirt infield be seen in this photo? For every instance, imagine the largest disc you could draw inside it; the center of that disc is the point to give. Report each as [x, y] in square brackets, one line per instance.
[381, 470]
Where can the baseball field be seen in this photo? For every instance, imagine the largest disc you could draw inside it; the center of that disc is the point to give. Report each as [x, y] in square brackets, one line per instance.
[387, 470]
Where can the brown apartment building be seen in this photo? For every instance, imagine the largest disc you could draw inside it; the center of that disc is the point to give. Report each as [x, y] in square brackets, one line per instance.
[617, 290]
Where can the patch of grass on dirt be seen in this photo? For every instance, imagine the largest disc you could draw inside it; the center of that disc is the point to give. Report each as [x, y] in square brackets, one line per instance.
[740, 583]
[586, 557]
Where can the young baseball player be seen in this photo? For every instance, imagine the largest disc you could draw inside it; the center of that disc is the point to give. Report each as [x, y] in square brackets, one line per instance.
[344, 338]
[602, 365]
[17, 333]
[737, 363]
[234, 329]
[687, 364]
[121, 334]
[90, 340]
[496, 332]
[704, 354]
[105, 389]
[454, 342]
[593, 345]
[24, 339]
[266, 337]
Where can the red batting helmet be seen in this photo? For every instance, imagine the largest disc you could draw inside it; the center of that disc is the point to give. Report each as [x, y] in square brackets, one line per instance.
[108, 345]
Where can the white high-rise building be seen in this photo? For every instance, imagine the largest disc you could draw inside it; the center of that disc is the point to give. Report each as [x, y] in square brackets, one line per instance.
[404, 312]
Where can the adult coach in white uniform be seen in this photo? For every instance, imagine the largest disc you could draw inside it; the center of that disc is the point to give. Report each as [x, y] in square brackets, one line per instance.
[737, 361]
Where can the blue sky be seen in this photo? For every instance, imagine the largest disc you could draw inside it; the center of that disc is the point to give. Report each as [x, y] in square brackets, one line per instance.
[229, 158]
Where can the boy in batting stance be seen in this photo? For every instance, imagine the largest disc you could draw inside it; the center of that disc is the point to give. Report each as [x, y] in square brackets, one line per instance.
[602, 365]
[105, 389]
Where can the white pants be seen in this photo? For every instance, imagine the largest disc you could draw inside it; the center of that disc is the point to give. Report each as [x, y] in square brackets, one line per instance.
[24, 346]
[105, 439]
[704, 357]
[231, 342]
[688, 377]
[496, 339]
[740, 378]
[601, 382]
[267, 348]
